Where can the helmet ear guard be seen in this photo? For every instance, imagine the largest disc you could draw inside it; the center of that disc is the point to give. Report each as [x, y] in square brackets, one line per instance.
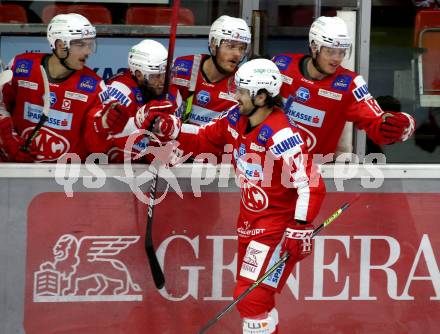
[148, 57]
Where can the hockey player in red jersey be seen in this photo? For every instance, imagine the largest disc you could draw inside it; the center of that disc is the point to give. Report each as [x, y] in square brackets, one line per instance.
[281, 192]
[320, 95]
[74, 90]
[141, 83]
[200, 82]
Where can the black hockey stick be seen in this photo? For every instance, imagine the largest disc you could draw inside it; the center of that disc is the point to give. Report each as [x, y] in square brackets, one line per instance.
[44, 115]
[156, 270]
[277, 264]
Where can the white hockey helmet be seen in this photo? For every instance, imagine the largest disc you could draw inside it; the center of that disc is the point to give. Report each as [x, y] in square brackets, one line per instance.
[148, 57]
[229, 28]
[331, 32]
[68, 27]
[259, 74]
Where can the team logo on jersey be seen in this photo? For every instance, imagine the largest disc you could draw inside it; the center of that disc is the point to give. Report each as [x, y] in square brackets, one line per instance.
[341, 82]
[203, 98]
[183, 67]
[49, 144]
[234, 116]
[253, 197]
[87, 84]
[264, 134]
[53, 98]
[302, 94]
[282, 62]
[286, 144]
[23, 68]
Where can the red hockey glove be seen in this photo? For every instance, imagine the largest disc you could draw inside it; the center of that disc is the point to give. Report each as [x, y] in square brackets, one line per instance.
[143, 118]
[298, 241]
[396, 126]
[112, 118]
[11, 143]
[166, 127]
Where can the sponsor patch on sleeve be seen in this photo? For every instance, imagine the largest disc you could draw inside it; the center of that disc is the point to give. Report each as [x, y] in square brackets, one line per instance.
[286, 141]
[361, 91]
[23, 68]
[282, 61]
[182, 67]
[341, 82]
[233, 116]
[264, 134]
[87, 84]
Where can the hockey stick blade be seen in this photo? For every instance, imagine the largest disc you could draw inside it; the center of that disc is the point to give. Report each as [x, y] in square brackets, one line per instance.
[276, 265]
[45, 113]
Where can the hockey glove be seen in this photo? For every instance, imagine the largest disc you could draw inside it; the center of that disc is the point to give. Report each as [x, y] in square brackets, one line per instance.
[396, 126]
[112, 119]
[11, 143]
[298, 241]
[143, 116]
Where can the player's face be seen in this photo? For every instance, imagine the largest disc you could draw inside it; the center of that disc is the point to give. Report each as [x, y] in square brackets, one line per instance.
[329, 59]
[156, 82]
[244, 101]
[79, 51]
[230, 54]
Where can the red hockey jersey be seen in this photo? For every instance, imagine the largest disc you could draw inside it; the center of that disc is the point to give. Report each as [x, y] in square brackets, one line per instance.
[70, 101]
[124, 88]
[322, 107]
[209, 99]
[276, 178]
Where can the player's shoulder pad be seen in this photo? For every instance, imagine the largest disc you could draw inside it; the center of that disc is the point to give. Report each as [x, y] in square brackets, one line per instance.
[286, 141]
[22, 64]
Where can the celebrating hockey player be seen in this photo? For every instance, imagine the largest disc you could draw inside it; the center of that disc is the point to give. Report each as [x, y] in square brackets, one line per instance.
[200, 82]
[142, 83]
[320, 95]
[280, 191]
[74, 90]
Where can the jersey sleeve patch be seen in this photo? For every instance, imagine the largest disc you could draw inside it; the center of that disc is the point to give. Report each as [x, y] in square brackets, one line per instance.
[286, 141]
[182, 68]
[360, 91]
[23, 68]
[233, 116]
[264, 134]
[342, 82]
[87, 84]
[282, 61]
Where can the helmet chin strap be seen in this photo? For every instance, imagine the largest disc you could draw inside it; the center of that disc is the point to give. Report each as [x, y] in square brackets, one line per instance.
[63, 60]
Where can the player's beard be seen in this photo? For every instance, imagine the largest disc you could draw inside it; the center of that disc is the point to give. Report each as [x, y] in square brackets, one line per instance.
[148, 93]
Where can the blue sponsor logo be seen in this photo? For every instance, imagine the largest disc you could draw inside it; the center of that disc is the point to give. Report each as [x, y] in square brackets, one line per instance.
[282, 62]
[57, 119]
[183, 67]
[264, 135]
[87, 84]
[361, 92]
[53, 98]
[142, 144]
[234, 116]
[118, 95]
[203, 98]
[23, 68]
[341, 82]
[302, 94]
[138, 95]
[287, 144]
[242, 150]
